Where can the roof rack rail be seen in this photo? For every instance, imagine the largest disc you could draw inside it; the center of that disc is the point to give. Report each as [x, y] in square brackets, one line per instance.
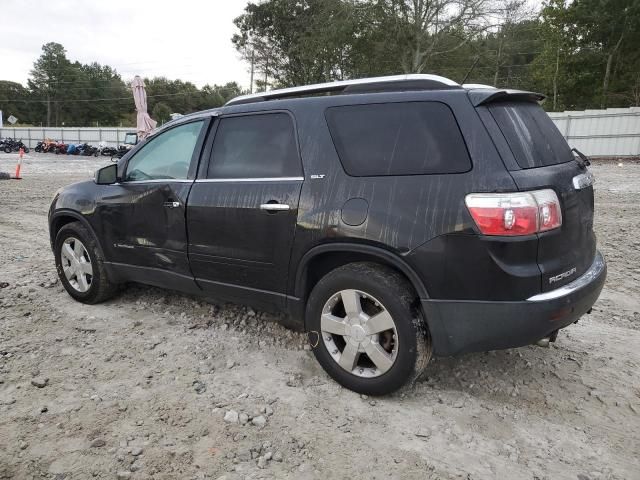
[361, 85]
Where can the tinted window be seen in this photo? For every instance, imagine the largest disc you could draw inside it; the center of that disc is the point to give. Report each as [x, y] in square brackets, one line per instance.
[398, 139]
[255, 146]
[166, 156]
[532, 136]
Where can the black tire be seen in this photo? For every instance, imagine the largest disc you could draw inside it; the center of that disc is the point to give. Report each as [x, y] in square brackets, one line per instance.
[8, 149]
[394, 292]
[26, 149]
[100, 288]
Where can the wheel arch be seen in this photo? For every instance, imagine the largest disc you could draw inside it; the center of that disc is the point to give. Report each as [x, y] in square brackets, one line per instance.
[320, 260]
[63, 217]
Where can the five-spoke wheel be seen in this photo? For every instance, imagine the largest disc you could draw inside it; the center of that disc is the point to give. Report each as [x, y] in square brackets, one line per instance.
[76, 264]
[80, 264]
[359, 333]
[366, 328]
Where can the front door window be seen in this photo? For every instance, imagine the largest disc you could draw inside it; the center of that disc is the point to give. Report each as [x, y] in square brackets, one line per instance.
[166, 156]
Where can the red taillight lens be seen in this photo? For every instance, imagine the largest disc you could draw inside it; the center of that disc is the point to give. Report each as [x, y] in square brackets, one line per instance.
[549, 206]
[520, 213]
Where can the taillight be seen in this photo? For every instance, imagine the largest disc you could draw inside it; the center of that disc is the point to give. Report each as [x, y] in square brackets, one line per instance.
[550, 216]
[518, 213]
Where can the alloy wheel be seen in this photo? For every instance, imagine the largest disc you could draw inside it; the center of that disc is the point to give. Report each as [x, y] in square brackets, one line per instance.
[76, 264]
[359, 333]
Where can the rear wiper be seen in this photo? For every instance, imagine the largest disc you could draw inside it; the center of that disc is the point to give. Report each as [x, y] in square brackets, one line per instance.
[583, 161]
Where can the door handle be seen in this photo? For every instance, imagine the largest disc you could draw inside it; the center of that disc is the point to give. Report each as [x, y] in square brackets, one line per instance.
[172, 204]
[274, 207]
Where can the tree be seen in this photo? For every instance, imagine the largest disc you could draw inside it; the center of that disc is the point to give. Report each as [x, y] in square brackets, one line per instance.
[50, 77]
[100, 84]
[14, 101]
[589, 56]
[161, 112]
[606, 27]
[417, 32]
[293, 42]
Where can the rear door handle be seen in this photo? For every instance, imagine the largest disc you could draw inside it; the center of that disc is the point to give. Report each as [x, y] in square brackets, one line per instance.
[274, 207]
[172, 204]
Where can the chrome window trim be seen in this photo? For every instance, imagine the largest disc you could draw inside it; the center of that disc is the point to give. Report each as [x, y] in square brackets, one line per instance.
[587, 277]
[157, 180]
[263, 179]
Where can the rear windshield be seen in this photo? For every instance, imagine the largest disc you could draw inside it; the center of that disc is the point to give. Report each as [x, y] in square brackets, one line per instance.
[532, 136]
[406, 138]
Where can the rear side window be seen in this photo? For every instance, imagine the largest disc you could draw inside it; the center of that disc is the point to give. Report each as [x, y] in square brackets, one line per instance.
[410, 138]
[532, 136]
[255, 146]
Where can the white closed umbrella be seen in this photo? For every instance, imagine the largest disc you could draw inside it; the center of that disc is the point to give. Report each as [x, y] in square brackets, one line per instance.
[145, 123]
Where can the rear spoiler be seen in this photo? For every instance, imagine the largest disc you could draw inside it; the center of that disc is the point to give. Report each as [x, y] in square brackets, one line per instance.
[483, 96]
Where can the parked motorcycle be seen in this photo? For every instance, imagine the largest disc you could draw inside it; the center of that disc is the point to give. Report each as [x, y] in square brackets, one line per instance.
[108, 151]
[72, 149]
[86, 150]
[60, 148]
[12, 145]
[90, 151]
[122, 150]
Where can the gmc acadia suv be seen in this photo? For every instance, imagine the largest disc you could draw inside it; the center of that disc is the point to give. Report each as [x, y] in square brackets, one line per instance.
[390, 218]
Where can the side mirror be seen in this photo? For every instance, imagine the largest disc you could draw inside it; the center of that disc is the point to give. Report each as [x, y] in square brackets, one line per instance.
[107, 175]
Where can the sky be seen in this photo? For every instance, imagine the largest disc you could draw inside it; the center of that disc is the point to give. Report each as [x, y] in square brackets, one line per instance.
[179, 39]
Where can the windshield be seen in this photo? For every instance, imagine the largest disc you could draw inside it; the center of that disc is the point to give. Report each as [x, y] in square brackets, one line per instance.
[532, 136]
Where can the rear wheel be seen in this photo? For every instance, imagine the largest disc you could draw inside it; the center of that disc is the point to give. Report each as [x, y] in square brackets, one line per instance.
[79, 264]
[365, 329]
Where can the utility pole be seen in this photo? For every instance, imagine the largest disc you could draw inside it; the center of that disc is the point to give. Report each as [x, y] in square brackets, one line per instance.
[253, 54]
[266, 72]
[555, 75]
[48, 110]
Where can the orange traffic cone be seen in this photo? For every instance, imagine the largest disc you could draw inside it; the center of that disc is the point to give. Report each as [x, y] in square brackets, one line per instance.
[17, 175]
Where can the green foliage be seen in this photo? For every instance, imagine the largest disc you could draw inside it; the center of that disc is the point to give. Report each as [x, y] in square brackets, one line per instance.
[17, 107]
[61, 92]
[581, 54]
[161, 113]
[298, 42]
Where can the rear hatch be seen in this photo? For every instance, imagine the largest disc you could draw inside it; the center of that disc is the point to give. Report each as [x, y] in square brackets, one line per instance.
[541, 158]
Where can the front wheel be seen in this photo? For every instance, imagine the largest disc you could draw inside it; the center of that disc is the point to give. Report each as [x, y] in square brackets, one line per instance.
[366, 329]
[80, 265]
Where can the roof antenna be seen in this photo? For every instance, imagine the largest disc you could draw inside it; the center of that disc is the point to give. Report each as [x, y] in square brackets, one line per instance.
[475, 62]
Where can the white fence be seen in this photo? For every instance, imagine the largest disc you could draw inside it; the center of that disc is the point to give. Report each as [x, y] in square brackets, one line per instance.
[611, 132]
[614, 132]
[32, 135]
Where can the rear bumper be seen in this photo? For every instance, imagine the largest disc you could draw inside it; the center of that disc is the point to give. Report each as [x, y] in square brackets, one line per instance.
[472, 326]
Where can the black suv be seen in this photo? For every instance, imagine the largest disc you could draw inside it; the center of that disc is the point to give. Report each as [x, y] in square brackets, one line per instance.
[390, 218]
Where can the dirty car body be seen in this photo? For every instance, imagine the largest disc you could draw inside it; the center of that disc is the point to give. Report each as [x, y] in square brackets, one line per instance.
[440, 209]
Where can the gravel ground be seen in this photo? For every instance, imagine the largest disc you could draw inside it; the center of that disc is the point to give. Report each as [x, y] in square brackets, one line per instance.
[159, 385]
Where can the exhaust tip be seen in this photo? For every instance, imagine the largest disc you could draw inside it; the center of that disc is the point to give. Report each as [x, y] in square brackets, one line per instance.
[543, 342]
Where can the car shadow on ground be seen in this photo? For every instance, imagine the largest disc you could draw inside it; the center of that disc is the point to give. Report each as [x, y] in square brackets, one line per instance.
[516, 376]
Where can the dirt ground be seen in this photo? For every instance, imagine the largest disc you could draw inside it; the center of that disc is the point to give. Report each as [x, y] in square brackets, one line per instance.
[139, 387]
